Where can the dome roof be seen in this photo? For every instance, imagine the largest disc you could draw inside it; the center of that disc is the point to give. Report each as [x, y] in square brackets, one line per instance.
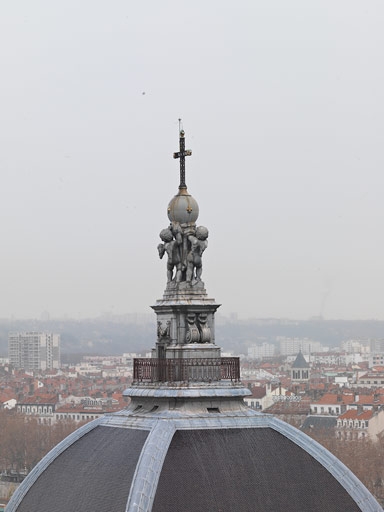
[183, 208]
[202, 455]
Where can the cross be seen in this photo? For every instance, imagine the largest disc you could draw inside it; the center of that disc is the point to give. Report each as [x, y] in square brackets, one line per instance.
[182, 154]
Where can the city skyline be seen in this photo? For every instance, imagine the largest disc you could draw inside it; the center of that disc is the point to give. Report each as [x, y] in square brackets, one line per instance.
[282, 110]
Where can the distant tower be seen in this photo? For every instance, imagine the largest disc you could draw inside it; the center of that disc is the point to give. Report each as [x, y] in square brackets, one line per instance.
[187, 441]
[300, 370]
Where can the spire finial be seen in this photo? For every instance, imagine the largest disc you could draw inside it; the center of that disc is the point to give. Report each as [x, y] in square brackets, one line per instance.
[182, 153]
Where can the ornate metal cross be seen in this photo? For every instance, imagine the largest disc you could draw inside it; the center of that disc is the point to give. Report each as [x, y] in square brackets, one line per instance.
[182, 154]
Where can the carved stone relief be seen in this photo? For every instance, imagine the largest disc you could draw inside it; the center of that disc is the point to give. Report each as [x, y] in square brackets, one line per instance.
[198, 330]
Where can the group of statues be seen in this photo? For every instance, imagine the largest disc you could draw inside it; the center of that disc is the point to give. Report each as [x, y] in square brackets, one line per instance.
[184, 247]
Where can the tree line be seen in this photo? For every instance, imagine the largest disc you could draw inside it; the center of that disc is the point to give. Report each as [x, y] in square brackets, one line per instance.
[24, 442]
[364, 458]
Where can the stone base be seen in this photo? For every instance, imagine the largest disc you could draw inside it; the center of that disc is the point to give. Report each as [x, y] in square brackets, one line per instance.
[184, 290]
[193, 350]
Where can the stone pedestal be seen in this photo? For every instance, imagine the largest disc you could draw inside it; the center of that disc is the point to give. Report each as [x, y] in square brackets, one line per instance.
[185, 318]
[185, 346]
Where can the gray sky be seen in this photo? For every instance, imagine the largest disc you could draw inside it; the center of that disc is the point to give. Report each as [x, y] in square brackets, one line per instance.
[282, 104]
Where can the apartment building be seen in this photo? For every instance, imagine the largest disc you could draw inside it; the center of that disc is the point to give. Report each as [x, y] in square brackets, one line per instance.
[33, 351]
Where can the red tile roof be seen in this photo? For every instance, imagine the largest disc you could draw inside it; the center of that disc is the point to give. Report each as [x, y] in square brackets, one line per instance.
[7, 395]
[42, 399]
[258, 391]
[331, 398]
[353, 414]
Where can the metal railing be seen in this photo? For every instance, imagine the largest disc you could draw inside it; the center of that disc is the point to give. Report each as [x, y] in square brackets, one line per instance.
[186, 370]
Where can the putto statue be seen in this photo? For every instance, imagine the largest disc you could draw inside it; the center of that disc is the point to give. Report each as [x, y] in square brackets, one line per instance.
[184, 248]
[171, 246]
[198, 243]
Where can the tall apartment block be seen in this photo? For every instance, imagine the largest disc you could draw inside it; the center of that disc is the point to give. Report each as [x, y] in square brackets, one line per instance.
[34, 350]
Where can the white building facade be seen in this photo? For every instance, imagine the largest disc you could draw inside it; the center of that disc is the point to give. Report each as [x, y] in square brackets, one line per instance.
[33, 351]
[261, 351]
[291, 346]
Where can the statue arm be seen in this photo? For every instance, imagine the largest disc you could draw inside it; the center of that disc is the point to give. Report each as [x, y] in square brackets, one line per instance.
[161, 250]
[178, 235]
[203, 246]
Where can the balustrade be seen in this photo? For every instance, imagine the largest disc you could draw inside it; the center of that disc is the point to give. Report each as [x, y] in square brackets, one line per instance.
[186, 370]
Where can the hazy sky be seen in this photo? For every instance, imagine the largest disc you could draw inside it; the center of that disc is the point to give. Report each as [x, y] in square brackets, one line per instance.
[282, 104]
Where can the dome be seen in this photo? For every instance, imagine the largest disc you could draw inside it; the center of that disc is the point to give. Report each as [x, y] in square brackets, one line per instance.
[183, 208]
[200, 454]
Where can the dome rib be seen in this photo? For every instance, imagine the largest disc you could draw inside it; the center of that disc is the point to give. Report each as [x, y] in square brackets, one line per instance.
[147, 474]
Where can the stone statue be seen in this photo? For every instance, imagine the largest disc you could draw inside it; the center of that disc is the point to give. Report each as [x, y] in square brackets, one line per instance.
[163, 332]
[171, 246]
[198, 244]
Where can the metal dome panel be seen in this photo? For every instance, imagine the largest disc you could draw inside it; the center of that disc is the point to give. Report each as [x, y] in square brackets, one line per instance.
[93, 473]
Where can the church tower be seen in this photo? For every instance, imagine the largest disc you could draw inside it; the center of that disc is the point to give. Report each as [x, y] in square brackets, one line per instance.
[187, 441]
[300, 370]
